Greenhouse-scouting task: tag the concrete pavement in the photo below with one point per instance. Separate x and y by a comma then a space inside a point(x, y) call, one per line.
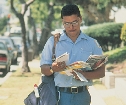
point(96, 99)
point(106, 97)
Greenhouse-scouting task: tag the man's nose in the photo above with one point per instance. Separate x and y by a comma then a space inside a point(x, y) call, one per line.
point(71, 25)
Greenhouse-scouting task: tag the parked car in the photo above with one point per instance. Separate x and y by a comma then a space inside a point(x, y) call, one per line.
point(12, 48)
point(18, 42)
point(5, 57)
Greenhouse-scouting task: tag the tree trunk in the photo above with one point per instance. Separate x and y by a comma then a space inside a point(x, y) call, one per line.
point(35, 43)
point(46, 31)
point(25, 67)
point(94, 16)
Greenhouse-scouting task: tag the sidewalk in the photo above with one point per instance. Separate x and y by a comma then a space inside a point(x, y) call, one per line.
point(96, 99)
point(105, 97)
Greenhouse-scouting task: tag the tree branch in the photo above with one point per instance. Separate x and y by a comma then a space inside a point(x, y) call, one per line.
point(25, 5)
point(29, 2)
point(12, 7)
point(22, 1)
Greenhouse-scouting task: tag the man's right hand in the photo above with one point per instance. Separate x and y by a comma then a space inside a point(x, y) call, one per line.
point(58, 66)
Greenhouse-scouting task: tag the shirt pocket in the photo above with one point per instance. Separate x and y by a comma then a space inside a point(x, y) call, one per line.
point(59, 53)
point(84, 55)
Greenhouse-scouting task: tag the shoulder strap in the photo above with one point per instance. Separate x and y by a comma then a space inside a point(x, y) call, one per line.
point(56, 39)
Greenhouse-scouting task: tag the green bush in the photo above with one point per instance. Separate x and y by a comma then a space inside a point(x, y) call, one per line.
point(107, 34)
point(117, 55)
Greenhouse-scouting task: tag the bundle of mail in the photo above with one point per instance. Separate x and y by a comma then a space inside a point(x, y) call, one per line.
point(92, 63)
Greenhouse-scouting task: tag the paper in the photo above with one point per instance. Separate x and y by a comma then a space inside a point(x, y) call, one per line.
point(95, 61)
point(74, 66)
point(81, 77)
point(68, 72)
point(63, 57)
point(92, 63)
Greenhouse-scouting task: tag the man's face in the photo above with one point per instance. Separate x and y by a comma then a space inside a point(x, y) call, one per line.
point(72, 25)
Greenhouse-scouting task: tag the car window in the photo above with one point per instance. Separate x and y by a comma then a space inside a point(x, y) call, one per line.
point(9, 42)
point(2, 46)
point(13, 42)
point(17, 41)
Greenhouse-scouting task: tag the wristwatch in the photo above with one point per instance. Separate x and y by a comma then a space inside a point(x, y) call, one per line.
point(51, 70)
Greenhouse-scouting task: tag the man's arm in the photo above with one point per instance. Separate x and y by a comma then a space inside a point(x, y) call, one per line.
point(48, 70)
point(95, 74)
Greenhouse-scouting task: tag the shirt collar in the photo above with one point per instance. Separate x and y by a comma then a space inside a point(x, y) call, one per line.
point(65, 37)
point(83, 36)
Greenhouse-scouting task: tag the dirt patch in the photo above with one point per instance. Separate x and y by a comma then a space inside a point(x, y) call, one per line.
point(117, 68)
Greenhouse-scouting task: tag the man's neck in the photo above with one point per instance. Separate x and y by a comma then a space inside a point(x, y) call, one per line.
point(73, 38)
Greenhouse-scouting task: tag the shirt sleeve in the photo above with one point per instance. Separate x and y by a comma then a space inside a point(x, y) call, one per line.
point(46, 55)
point(97, 48)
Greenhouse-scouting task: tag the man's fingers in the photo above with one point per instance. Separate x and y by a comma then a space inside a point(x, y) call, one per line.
point(61, 65)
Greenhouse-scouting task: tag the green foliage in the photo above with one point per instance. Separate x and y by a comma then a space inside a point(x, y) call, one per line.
point(17, 5)
point(104, 30)
point(102, 4)
point(123, 33)
point(117, 55)
point(3, 23)
point(40, 11)
point(107, 34)
point(57, 22)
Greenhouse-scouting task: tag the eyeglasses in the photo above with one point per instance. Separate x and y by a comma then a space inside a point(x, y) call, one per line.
point(74, 24)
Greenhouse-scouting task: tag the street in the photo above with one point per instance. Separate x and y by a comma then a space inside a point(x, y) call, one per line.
point(3, 77)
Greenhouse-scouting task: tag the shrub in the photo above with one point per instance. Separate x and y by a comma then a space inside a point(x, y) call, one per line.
point(107, 34)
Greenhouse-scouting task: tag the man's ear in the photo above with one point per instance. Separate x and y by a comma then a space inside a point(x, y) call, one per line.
point(62, 21)
point(80, 19)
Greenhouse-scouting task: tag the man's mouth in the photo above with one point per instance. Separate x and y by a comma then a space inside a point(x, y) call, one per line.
point(72, 31)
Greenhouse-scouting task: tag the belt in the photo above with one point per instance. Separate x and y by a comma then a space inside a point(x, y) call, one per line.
point(72, 89)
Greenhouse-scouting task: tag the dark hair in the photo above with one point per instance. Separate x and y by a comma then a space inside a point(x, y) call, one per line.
point(70, 9)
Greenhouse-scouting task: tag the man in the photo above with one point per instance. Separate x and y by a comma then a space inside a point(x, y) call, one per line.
point(80, 47)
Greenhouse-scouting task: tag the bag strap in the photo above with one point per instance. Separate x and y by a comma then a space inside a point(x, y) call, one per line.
point(56, 39)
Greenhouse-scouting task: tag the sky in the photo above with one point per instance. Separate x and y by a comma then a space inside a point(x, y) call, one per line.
point(121, 15)
point(4, 9)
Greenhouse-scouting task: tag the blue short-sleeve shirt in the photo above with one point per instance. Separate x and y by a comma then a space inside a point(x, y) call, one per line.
point(78, 51)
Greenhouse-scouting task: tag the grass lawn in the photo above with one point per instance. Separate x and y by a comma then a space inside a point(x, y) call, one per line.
point(18, 86)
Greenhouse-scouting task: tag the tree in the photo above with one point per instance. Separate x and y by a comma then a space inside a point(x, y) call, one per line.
point(47, 27)
point(123, 33)
point(20, 16)
point(95, 11)
point(43, 13)
point(3, 23)
point(32, 25)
